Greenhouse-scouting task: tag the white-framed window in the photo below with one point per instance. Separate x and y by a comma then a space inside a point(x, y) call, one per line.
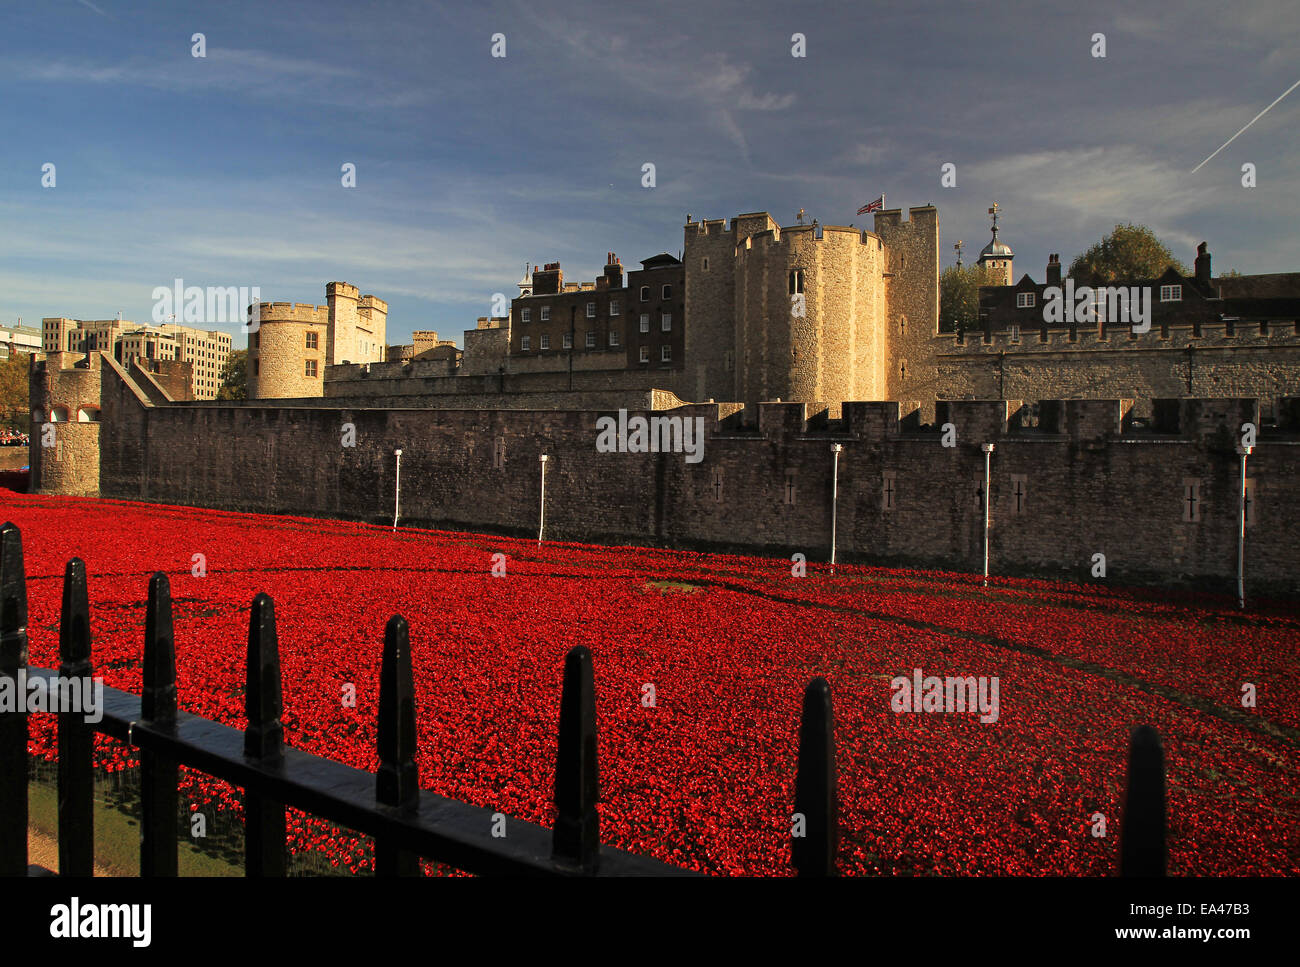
point(1171, 293)
point(591, 340)
point(645, 293)
point(546, 341)
point(546, 314)
point(645, 354)
point(1015, 333)
point(311, 367)
point(796, 282)
point(613, 337)
point(1025, 300)
point(667, 291)
point(591, 310)
point(613, 307)
point(526, 315)
point(568, 340)
point(525, 343)
point(666, 322)
point(645, 322)
point(665, 354)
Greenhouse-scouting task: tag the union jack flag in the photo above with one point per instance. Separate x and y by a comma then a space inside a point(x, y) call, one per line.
point(874, 206)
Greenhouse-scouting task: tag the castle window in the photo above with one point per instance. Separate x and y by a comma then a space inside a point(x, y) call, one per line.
point(613, 307)
point(888, 489)
point(716, 487)
point(790, 489)
point(311, 340)
point(499, 454)
point(666, 322)
point(568, 340)
point(546, 313)
point(705, 266)
point(613, 338)
point(311, 367)
point(591, 310)
point(667, 292)
point(1196, 329)
point(1024, 300)
point(1191, 500)
point(645, 354)
point(257, 367)
point(1042, 333)
point(591, 340)
point(525, 343)
point(730, 360)
point(645, 322)
point(1171, 293)
point(1015, 333)
point(665, 354)
point(526, 315)
point(1229, 327)
point(1263, 327)
point(796, 281)
point(1164, 329)
point(645, 293)
point(1074, 332)
point(546, 340)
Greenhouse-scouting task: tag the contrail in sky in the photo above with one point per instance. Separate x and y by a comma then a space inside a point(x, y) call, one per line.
point(1252, 121)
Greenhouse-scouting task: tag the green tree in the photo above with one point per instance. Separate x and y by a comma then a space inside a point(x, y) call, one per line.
point(1128, 252)
point(959, 297)
point(15, 411)
point(234, 376)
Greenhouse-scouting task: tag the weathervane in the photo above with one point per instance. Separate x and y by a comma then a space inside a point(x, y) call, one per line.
point(994, 212)
point(958, 248)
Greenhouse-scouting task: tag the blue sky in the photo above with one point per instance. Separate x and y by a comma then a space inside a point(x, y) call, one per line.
point(226, 170)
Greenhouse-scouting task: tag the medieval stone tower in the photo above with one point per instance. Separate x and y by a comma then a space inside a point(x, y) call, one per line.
point(294, 342)
point(810, 313)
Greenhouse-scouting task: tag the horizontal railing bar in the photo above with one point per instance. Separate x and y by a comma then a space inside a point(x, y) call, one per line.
point(441, 829)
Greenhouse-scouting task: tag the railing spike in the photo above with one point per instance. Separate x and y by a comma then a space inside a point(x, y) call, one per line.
point(13, 725)
point(1142, 834)
point(398, 781)
point(262, 696)
point(76, 738)
point(158, 695)
point(158, 773)
point(815, 797)
point(575, 840)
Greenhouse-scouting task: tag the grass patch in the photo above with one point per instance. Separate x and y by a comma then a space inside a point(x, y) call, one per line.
point(674, 587)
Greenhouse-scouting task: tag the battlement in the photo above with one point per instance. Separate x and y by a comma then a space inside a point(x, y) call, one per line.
point(301, 312)
point(807, 233)
point(922, 216)
point(374, 302)
point(342, 290)
point(706, 226)
point(1207, 335)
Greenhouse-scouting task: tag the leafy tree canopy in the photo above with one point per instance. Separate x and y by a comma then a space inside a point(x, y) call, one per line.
point(959, 297)
point(1128, 252)
point(234, 376)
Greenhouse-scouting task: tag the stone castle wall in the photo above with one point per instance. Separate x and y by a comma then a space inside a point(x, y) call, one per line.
point(1060, 495)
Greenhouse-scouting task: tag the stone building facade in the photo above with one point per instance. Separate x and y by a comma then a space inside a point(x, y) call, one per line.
point(294, 342)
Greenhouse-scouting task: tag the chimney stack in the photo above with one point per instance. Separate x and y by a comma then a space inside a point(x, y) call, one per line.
point(1054, 269)
point(1202, 266)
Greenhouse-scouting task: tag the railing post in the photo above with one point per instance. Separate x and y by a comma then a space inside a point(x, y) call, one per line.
point(158, 773)
point(575, 840)
point(13, 725)
point(264, 824)
point(76, 738)
point(1142, 835)
point(815, 795)
point(397, 783)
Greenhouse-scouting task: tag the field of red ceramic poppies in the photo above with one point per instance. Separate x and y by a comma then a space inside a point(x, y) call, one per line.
point(704, 778)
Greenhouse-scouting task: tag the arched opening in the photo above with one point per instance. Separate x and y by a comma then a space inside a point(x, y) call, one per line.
point(88, 414)
point(58, 414)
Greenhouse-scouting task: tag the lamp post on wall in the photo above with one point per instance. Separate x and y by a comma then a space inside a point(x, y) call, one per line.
point(835, 493)
point(1241, 529)
point(397, 494)
point(988, 457)
point(541, 514)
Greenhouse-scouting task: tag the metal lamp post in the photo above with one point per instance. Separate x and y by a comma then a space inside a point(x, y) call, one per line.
point(835, 493)
point(541, 515)
point(988, 457)
point(397, 494)
point(1241, 529)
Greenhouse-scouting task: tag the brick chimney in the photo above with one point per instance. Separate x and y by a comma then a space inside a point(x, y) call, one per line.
point(1202, 266)
point(1054, 269)
point(548, 280)
point(613, 271)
